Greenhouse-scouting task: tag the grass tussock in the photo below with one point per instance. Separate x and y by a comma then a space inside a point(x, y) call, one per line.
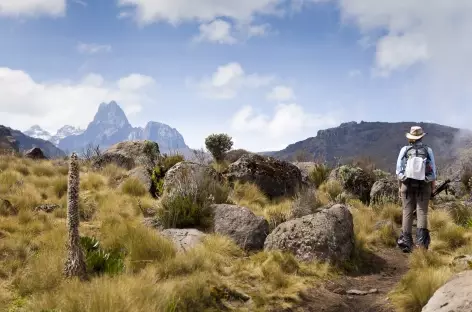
point(417, 287)
point(133, 187)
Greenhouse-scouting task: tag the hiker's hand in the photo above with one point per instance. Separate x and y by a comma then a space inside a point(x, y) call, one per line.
point(400, 192)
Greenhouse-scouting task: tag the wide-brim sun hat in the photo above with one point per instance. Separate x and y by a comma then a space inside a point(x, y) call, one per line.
point(416, 133)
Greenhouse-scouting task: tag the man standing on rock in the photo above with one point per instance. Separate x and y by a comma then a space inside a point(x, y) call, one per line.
point(416, 173)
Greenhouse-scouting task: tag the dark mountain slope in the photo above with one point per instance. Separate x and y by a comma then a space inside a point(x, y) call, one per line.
point(380, 141)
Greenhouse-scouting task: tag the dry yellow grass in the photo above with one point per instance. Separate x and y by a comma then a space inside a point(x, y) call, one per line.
point(156, 278)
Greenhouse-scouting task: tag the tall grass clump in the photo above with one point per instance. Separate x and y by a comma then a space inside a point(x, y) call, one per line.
point(418, 286)
point(188, 200)
point(133, 187)
point(319, 174)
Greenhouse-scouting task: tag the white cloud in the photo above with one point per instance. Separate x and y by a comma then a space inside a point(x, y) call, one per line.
point(434, 34)
point(30, 8)
point(399, 52)
point(26, 102)
point(224, 32)
point(81, 2)
point(93, 48)
point(281, 94)
point(218, 31)
point(228, 80)
point(135, 82)
point(177, 11)
point(290, 123)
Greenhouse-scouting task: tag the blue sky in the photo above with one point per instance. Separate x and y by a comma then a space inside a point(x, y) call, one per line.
point(268, 72)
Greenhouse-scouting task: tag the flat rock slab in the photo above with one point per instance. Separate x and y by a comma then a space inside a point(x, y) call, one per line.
point(454, 296)
point(184, 239)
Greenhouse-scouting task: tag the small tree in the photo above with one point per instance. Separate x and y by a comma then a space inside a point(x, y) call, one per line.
point(218, 145)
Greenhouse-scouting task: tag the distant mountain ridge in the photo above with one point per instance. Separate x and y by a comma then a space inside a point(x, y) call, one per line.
point(110, 126)
point(380, 141)
point(37, 132)
point(23, 142)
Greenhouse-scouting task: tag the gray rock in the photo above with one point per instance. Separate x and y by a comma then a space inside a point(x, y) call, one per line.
point(305, 168)
point(274, 177)
point(7, 209)
point(327, 235)
point(133, 153)
point(35, 153)
point(184, 239)
point(384, 191)
point(246, 229)
point(188, 171)
point(455, 295)
point(110, 158)
point(48, 208)
point(355, 180)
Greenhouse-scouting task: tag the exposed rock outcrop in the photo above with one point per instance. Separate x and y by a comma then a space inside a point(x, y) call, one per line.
point(384, 191)
point(327, 235)
point(35, 153)
point(246, 229)
point(274, 177)
point(355, 180)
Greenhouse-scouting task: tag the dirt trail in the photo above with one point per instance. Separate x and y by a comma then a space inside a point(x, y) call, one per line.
point(382, 272)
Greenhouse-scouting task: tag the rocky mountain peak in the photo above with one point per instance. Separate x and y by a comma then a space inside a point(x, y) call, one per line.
point(111, 114)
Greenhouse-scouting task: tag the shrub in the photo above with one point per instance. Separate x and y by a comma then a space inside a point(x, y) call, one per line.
point(100, 261)
point(319, 174)
point(333, 188)
point(188, 203)
point(218, 145)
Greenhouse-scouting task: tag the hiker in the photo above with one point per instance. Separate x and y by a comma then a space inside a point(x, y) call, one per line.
point(416, 173)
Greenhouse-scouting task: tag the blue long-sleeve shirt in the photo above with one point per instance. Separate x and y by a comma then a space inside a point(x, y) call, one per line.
point(401, 165)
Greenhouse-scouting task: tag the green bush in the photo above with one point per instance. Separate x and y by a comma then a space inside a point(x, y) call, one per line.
point(218, 145)
point(319, 174)
point(99, 261)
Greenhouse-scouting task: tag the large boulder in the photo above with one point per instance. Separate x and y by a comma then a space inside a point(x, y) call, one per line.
point(129, 154)
point(384, 191)
point(327, 235)
point(355, 180)
point(188, 171)
point(455, 295)
point(184, 239)
point(246, 229)
point(35, 153)
point(274, 177)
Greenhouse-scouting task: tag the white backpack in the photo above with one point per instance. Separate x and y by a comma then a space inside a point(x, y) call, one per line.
point(416, 163)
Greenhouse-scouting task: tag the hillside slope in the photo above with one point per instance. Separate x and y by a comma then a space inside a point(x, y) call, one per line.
point(380, 141)
point(24, 143)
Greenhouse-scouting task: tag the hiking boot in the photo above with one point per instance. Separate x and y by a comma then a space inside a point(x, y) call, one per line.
point(422, 238)
point(405, 242)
